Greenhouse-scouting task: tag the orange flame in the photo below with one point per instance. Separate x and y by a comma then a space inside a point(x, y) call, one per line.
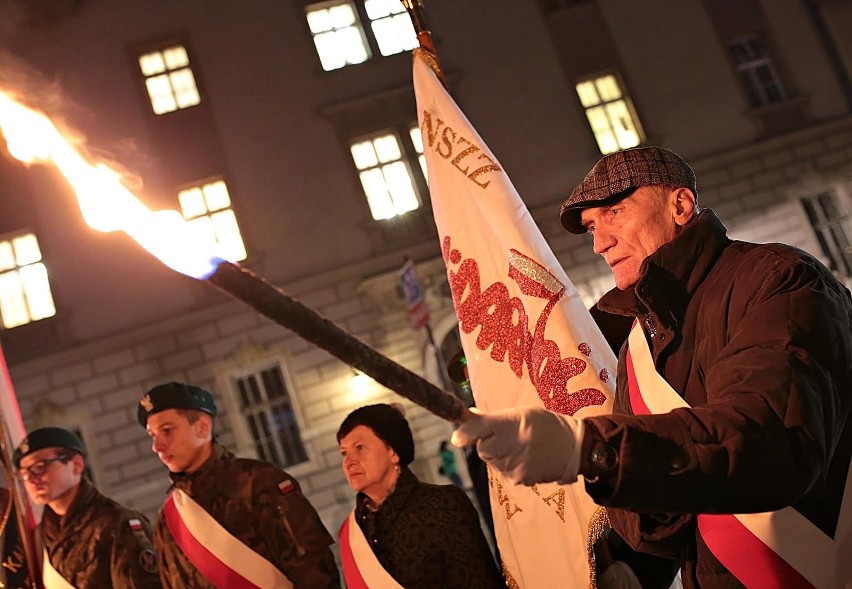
point(105, 203)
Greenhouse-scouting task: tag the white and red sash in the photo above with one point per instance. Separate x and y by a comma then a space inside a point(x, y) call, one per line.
point(220, 557)
point(361, 568)
point(50, 577)
point(779, 549)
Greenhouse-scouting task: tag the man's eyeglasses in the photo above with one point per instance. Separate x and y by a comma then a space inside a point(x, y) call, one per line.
point(37, 469)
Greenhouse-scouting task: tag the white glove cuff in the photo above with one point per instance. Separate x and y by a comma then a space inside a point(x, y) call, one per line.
point(572, 469)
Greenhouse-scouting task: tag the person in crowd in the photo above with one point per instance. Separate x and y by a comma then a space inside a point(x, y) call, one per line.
point(730, 445)
point(228, 521)
point(404, 532)
point(15, 572)
point(89, 540)
point(448, 466)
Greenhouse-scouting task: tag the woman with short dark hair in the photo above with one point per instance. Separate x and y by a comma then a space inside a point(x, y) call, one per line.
point(403, 532)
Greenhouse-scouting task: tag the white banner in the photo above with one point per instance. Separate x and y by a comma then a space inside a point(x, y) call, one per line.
point(528, 337)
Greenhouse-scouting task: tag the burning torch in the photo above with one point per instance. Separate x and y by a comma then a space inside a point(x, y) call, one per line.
point(107, 205)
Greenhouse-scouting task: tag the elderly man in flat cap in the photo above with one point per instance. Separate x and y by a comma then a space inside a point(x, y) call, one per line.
point(228, 522)
point(733, 391)
point(89, 540)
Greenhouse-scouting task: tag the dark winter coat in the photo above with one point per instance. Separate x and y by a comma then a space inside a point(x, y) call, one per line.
point(758, 340)
point(429, 537)
point(244, 496)
point(99, 544)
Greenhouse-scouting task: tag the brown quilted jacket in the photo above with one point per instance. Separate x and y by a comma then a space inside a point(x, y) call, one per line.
point(758, 340)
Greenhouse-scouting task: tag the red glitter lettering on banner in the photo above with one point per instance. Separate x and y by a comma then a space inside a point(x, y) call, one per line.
point(505, 329)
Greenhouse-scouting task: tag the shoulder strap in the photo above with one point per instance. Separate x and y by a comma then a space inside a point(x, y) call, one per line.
point(51, 577)
point(778, 549)
point(220, 557)
point(361, 568)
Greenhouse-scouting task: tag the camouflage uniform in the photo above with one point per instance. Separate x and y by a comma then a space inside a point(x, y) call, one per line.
point(100, 543)
point(244, 497)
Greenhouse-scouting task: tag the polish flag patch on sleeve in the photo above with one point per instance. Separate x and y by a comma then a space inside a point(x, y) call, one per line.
point(286, 487)
point(135, 524)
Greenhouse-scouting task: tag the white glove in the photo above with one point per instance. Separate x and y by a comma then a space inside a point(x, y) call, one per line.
point(618, 576)
point(528, 444)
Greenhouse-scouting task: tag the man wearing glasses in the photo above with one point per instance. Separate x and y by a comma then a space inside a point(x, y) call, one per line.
point(89, 540)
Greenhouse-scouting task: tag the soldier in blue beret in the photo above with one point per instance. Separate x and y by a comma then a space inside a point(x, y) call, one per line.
point(228, 520)
point(90, 541)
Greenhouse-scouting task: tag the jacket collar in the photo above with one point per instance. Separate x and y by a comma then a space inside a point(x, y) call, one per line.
point(397, 499)
point(78, 512)
point(671, 275)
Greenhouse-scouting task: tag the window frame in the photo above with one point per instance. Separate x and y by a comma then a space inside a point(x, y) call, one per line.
point(826, 227)
point(628, 103)
point(160, 46)
point(756, 90)
point(200, 184)
point(9, 238)
point(252, 360)
point(408, 156)
point(364, 25)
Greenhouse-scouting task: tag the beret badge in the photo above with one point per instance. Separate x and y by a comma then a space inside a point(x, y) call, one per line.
point(146, 403)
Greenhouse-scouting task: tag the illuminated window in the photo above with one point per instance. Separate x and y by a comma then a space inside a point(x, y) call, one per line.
point(610, 113)
point(385, 176)
point(756, 71)
point(169, 79)
point(337, 33)
point(391, 26)
point(267, 408)
point(24, 287)
point(207, 208)
point(417, 141)
point(341, 40)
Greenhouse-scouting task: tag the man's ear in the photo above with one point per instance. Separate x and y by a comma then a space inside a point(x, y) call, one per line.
point(683, 204)
point(78, 464)
point(204, 426)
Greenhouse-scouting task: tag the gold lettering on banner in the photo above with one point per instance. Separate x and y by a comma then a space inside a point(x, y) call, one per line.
point(556, 498)
point(462, 154)
point(14, 561)
point(502, 498)
point(511, 583)
point(447, 143)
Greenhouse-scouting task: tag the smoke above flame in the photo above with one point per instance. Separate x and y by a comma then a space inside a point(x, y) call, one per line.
point(105, 203)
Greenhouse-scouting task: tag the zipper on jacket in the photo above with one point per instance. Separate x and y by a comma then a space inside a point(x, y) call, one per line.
point(300, 550)
point(649, 324)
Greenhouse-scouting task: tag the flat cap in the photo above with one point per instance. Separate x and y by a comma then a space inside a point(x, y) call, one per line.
point(174, 395)
point(48, 437)
point(618, 174)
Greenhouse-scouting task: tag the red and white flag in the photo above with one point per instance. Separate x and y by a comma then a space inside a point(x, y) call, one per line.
point(17, 546)
point(526, 333)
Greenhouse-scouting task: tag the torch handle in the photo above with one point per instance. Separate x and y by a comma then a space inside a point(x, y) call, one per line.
point(286, 311)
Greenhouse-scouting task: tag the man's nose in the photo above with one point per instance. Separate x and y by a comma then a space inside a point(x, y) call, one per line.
point(157, 444)
point(603, 240)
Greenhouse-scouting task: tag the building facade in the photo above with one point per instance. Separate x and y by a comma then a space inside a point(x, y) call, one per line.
point(286, 132)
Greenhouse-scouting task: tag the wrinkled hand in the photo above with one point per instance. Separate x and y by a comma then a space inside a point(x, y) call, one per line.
point(528, 444)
